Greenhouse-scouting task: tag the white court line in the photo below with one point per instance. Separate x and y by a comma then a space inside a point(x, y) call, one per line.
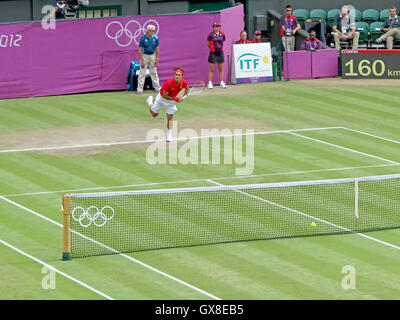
point(344, 148)
point(197, 180)
point(152, 141)
point(372, 135)
point(56, 270)
point(113, 250)
point(314, 218)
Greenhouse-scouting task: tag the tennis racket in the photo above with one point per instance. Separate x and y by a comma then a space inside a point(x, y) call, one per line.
point(197, 88)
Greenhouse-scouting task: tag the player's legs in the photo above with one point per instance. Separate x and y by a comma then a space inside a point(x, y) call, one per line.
point(170, 118)
point(170, 109)
point(155, 107)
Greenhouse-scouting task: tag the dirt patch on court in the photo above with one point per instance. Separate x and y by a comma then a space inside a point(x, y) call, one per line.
point(102, 139)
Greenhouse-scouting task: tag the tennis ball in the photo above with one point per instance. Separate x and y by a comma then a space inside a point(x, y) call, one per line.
point(313, 224)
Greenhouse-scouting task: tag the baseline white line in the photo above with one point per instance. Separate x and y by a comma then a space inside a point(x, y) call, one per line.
point(314, 218)
point(372, 135)
point(343, 148)
point(115, 251)
point(56, 270)
point(95, 145)
point(196, 180)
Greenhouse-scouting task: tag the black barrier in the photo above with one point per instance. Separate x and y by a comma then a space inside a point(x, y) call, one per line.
point(370, 64)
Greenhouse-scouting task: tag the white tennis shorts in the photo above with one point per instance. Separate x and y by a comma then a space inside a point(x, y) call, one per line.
point(161, 103)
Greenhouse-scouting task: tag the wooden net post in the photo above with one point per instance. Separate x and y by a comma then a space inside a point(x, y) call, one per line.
point(66, 228)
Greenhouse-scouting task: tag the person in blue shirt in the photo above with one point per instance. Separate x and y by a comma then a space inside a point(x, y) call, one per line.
point(148, 53)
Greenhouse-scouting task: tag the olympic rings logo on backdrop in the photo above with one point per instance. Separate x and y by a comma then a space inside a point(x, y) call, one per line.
point(92, 215)
point(132, 31)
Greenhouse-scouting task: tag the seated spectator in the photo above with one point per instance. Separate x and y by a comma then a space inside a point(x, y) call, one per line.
point(391, 27)
point(289, 27)
point(59, 10)
point(344, 27)
point(243, 38)
point(311, 43)
point(257, 36)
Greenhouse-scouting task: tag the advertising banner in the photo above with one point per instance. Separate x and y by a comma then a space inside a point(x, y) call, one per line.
point(251, 62)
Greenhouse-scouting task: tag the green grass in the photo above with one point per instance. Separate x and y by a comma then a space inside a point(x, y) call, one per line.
point(296, 268)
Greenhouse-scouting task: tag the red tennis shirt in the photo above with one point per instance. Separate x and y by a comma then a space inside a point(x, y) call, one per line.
point(172, 87)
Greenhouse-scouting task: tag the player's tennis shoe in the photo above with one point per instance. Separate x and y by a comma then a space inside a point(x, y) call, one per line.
point(223, 85)
point(210, 85)
point(169, 136)
point(149, 100)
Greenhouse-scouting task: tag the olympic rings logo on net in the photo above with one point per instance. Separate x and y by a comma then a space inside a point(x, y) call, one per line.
point(92, 215)
point(132, 31)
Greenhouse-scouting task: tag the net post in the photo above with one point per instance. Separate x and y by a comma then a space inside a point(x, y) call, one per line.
point(356, 199)
point(66, 256)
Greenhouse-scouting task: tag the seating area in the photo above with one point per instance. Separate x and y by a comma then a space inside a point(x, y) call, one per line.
point(368, 23)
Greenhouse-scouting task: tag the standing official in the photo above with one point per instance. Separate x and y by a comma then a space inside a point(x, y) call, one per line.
point(148, 53)
point(289, 27)
point(215, 42)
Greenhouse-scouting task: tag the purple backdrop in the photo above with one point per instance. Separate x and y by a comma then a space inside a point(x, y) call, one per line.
point(310, 64)
point(324, 63)
point(296, 64)
point(95, 54)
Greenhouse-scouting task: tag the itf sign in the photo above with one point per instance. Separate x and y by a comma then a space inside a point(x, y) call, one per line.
point(251, 62)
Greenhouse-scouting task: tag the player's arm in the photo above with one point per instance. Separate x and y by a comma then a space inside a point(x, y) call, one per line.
point(186, 91)
point(168, 97)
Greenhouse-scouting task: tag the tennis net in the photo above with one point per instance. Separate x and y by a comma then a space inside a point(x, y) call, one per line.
point(116, 222)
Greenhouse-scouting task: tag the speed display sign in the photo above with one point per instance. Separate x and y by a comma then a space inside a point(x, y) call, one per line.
point(371, 64)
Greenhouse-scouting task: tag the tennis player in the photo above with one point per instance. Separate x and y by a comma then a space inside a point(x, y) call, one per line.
point(167, 98)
